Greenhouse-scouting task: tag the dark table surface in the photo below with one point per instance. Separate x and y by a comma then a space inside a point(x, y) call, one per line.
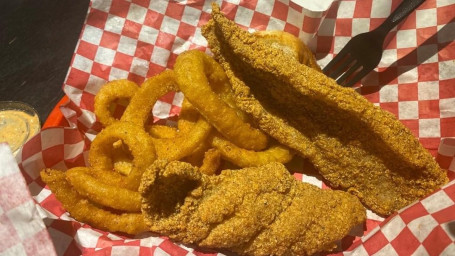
point(37, 41)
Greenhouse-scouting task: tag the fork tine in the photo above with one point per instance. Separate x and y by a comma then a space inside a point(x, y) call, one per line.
point(357, 77)
point(349, 72)
point(344, 65)
point(340, 56)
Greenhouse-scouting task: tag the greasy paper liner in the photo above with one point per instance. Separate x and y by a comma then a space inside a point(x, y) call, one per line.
point(138, 39)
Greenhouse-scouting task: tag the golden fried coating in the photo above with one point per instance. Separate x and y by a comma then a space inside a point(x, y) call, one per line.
point(101, 154)
point(290, 45)
point(211, 162)
point(108, 94)
point(101, 193)
point(86, 211)
point(253, 211)
point(355, 145)
point(197, 74)
point(141, 105)
point(249, 158)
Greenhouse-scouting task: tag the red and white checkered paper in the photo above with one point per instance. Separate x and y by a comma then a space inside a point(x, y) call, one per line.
point(137, 39)
point(22, 231)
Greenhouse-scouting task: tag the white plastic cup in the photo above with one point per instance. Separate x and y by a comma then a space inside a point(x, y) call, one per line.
point(314, 13)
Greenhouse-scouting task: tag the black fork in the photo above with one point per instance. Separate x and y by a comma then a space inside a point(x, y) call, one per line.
point(364, 51)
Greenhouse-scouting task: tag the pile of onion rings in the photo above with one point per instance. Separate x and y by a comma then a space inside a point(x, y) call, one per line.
point(210, 129)
point(211, 133)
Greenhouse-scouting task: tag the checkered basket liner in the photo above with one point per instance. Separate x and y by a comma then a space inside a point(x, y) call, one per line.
point(138, 39)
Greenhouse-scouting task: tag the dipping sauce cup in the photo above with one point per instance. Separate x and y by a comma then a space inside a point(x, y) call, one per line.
point(18, 123)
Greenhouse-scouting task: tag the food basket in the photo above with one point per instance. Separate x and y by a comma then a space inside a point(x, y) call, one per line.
point(137, 39)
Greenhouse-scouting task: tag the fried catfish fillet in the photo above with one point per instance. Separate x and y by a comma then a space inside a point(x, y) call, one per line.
point(289, 44)
point(355, 145)
point(252, 211)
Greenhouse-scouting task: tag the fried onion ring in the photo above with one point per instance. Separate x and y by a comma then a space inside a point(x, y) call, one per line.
point(121, 158)
point(118, 89)
point(193, 130)
point(148, 94)
point(162, 131)
point(197, 156)
point(101, 193)
point(85, 211)
point(188, 116)
point(183, 143)
point(194, 74)
point(211, 162)
point(249, 158)
point(100, 156)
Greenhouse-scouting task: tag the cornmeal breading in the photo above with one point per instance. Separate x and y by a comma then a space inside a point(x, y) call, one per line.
point(355, 145)
point(290, 45)
point(252, 211)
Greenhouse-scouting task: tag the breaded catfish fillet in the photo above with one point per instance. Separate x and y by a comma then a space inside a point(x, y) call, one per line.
point(289, 44)
point(252, 211)
point(355, 145)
